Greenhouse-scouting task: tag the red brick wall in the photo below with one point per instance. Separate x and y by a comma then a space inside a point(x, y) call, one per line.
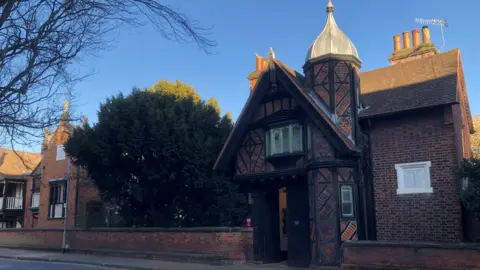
point(419, 256)
point(234, 244)
point(461, 117)
point(46, 239)
point(415, 137)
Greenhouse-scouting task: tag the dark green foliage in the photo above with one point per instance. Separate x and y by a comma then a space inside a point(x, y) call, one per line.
point(152, 153)
point(470, 168)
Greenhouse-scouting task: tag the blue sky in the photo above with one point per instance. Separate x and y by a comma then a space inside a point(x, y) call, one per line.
point(139, 56)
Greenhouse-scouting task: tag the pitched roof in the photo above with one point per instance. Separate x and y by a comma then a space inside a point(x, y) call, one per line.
point(410, 85)
point(293, 83)
point(17, 164)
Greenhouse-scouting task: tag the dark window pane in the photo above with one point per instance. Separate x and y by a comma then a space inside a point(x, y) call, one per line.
point(347, 209)
point(267, 143)
point(297, 138)
point(309, 138)
point(346, 196)
point(286, 140)
point(277, 141)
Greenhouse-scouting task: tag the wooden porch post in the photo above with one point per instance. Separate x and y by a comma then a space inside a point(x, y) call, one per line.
point(5, 182)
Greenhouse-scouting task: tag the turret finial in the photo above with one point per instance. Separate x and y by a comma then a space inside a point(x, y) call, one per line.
point(271, 54)
point(330, 7)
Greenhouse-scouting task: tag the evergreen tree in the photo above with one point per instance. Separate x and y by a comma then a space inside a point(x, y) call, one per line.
point(178, 89)
point(475, 137)
point(469, 172)
point(152, 153)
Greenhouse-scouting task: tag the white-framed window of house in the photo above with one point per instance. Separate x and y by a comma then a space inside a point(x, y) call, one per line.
point(346, 199)
point(58, 194)
point(414, 177)
point(60, 152)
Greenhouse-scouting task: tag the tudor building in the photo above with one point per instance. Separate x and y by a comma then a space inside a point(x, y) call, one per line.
point(365, 156)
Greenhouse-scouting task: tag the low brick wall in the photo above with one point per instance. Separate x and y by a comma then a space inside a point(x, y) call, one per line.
point(194, 244)
point(29, 238)
point(410, 255)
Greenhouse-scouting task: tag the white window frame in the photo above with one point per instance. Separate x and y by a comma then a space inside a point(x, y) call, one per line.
point(60, 152)
point(464, 183)
point(350, 201)
point(401, 168)
point(60, 203)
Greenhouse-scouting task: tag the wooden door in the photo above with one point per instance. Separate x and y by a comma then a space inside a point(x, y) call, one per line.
point(298, 225)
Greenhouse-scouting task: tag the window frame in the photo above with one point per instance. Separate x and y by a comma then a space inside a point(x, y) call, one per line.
point(54, 198)
point(400, 171)
point(59, 158)
point(464, 182)
point(352, 200)
point(280, 126)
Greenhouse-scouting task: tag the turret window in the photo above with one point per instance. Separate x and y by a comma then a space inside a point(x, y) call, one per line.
point(284, 140)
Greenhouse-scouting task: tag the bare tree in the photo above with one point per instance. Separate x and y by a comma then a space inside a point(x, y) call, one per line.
point(40, 39)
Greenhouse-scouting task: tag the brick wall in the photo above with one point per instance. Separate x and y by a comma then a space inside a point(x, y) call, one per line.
point(25, 238)
point(235, 244)
point(419, 256)
point(418, 136)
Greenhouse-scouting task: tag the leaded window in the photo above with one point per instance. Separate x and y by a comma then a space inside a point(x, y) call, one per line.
point(285, 139)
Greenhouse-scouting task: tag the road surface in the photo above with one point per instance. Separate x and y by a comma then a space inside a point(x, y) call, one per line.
point(32, 265)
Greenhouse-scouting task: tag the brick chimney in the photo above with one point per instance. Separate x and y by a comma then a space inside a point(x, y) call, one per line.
point(426, 34)
point(416, 37)
point(409, 53)
point(406, 40)
point(260, 65)
point(397, 43)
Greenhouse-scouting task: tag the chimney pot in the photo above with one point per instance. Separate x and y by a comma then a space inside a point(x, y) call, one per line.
point(416, 37)
point(426, 34)
point(397, 46)
point(406, 40)
point(258, 62)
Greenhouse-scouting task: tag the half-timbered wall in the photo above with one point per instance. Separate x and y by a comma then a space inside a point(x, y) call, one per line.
point(323, 216)
point(322, 149)
point(251, 156)
point(335, 83)
point(270, 107)
point(328, 229)
point(348, 226)
point(343, 95)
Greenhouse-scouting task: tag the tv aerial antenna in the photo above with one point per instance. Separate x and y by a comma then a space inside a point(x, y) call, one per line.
point(437, 22)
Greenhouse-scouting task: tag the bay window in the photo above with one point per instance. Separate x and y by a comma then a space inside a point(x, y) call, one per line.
point(285, 139)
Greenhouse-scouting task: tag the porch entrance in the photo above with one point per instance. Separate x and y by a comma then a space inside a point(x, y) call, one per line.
point(281, 224)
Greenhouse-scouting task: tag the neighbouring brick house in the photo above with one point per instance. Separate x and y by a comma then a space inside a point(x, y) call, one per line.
point(362, 155)
point(15, 167)
point(46, 193)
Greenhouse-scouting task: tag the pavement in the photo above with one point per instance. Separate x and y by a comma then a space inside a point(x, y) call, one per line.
point(31, 265)
point(40, 260)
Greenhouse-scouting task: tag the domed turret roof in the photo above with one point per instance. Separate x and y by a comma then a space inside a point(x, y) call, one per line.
point(332, 40)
